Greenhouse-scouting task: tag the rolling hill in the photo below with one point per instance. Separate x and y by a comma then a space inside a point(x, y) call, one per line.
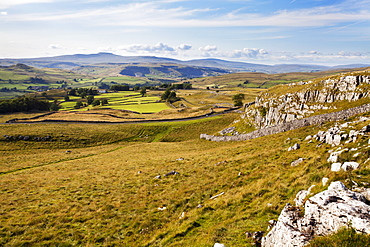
point(71, 61)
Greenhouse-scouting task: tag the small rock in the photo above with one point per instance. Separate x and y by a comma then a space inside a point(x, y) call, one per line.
point(180, 159)
point(294, 147)
point(356, 155)
point(157, 177)
point(350, 166)
point(162, 208)
point(296, 162)
point(182, 216)
point(219, 245)
point(333, 158)
point(335, 167)
point(171, 173)
point(309, 137)
point(324, 181)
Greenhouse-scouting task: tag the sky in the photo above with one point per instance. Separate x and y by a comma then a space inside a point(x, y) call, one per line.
point(328, 32)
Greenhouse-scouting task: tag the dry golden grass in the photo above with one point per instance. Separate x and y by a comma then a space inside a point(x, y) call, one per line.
point(104, 192)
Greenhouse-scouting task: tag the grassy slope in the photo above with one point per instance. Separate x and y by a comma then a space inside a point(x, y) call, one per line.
point(20, 73)
point(94, 194)
point(262, 80)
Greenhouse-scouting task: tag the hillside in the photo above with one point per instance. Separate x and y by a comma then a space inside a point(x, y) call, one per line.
point(19, 79)
point(72, 61)
point(149, 70)
point(158, 184)
point(264, 80)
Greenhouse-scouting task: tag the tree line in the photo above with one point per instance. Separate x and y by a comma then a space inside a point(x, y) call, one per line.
point(22, 104)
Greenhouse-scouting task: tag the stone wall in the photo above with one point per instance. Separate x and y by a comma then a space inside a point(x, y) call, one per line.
point(295, 124)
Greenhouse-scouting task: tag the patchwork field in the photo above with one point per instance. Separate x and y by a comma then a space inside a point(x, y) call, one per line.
point(130, 101)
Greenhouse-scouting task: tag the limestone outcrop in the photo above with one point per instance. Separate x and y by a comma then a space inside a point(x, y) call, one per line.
point(324, 213)
point(271, 109)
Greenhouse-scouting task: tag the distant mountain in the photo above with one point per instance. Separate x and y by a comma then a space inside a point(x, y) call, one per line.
point(73, 61)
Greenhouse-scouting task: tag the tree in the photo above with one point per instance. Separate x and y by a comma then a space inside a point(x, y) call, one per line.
point(136, 88)
point(143, 91)
point(78, 105)
point(95, 102)
point(166, 94)
point(83, 94)
point(66, 98)
point(120, 87)
point(54, 106)
point(73, 92)
point(238, 99)
point(90, 99)
point(104, 102)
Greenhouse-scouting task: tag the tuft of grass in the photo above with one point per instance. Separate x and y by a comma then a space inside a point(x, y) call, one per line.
point(345, 237)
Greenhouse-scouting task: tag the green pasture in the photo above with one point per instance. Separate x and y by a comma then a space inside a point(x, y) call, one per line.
point(129, 100)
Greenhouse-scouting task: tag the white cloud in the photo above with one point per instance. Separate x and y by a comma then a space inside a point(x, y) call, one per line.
point(145, 48)
point(184, 47)
point(158, 14)
point(8, 3)
point(248, 53)
point(350, 54)
point(56, 46)
point(208, 48)
point(3, 13)
point(105, 48)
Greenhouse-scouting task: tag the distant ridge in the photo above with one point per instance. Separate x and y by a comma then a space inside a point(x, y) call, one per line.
point(72, 61)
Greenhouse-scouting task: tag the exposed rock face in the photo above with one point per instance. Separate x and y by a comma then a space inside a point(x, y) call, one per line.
point(324, 213)
point(269, 110)
point(318, 119)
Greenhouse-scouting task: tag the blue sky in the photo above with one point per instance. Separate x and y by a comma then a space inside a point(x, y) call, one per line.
point(329, 32)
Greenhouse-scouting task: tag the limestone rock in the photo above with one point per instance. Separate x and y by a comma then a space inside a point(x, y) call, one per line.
point(324, 214)
point(297, 162)
point(294, 147)
point(350, 166)
point(335, 167)
point(324, 181)
point(219, 245)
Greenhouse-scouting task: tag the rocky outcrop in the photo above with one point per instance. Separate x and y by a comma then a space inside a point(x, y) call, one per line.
point(318, 119)
point(324, 213)
point(271, 109)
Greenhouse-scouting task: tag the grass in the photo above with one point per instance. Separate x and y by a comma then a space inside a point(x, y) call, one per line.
point(262, 80)
point(346, 237)
point(129, 100)
point(103, 191)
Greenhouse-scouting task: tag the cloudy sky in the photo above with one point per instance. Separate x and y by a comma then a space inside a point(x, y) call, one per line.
point(258, 31)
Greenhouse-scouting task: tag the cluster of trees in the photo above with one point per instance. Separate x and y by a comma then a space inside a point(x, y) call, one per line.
point(169, 96)
point(23, 103)
point(82, 92)
point(120, 87)
point(126, 87)
point(90, 100)
point(238, 99)
point(5, 89)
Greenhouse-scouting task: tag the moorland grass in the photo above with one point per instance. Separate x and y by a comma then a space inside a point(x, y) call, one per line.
point(104, 191)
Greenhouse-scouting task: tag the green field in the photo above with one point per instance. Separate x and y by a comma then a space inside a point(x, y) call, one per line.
point(131, 101)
